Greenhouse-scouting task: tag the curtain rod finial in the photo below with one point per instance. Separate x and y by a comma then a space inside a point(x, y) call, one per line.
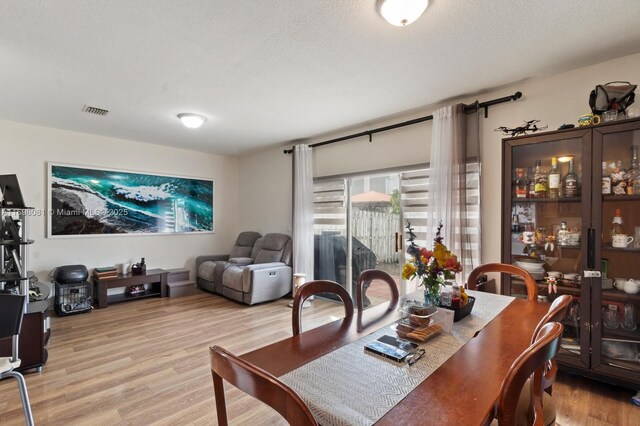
point(517, 96)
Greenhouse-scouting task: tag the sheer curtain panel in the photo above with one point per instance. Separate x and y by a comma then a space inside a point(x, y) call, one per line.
point(448, 180)
point(303, 211)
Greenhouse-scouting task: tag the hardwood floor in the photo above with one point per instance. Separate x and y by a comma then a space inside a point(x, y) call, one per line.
point(147, 362)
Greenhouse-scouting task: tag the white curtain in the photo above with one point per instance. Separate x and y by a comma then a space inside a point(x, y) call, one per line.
point(303, 211)
point(448, 185)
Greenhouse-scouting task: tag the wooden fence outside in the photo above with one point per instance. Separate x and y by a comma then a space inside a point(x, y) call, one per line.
point(377, 230)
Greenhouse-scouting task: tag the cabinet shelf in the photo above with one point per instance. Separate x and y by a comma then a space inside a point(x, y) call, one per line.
point(546, 200)
point(543, 287)
point(124, 297)
point(619, 296)
point(621, 335)
point(607, 295)
point(609, 247)
point(621, 198)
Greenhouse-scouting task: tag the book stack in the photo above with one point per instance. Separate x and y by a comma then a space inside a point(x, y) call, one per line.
point(105, 272)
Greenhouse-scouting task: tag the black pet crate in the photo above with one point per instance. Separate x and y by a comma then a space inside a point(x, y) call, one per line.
point(73, 292)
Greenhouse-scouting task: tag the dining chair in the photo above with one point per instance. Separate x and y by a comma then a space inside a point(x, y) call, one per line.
point(556, 313)
point(365, 279)
point(259, 384)
point(509, 408)
point(11, 313)
point(532, 286)
point(315, 287)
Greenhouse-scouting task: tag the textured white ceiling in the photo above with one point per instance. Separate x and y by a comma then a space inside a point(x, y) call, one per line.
point(270, 71)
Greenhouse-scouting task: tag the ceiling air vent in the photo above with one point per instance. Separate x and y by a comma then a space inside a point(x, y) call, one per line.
point(95, 110)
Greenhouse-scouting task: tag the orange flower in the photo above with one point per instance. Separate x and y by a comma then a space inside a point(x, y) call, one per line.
point(452, 264)
point(425, 253)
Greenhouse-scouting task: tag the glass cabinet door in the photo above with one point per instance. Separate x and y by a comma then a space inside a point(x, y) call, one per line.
point(545, 196)
point(616, 342)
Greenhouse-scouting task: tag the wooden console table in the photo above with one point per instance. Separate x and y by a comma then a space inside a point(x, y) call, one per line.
point(157, 278)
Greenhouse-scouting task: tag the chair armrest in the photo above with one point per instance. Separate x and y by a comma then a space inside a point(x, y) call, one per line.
point(213, 258)
point(258, 266)
point(266, 281)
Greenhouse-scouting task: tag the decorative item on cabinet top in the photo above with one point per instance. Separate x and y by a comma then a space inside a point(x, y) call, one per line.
point(528, 126)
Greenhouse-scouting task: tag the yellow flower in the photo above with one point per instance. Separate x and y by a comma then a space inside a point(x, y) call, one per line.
point(408, 271)
point(440, 252)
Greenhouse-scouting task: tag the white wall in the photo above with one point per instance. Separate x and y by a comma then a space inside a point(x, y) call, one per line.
point(26, 150)
point(555, 100)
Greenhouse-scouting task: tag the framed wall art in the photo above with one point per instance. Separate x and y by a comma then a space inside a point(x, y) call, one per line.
point(90, 201)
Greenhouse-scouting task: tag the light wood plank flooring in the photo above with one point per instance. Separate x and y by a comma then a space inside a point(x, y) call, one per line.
point(146, 362)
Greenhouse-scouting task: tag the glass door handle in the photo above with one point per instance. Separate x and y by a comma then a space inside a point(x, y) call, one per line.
point(396, 242)
point(591, 248)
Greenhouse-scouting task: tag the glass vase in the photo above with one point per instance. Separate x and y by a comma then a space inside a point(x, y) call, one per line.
point(431, 293)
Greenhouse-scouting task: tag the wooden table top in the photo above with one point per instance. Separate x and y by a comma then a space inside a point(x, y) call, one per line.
point(462, 391)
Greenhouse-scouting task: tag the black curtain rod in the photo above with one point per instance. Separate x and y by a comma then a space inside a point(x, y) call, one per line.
point(467, 109)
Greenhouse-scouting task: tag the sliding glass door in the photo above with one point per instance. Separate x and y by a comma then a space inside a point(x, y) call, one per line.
point(358, 226)
point(360, 223)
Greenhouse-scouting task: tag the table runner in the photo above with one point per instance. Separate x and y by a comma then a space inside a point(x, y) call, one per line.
point(352, 387)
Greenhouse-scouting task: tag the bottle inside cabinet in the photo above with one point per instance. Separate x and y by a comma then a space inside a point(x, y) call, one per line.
point(633, 174)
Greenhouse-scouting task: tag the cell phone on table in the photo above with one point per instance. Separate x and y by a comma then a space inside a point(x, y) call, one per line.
point(398, 343)
point(386, 351)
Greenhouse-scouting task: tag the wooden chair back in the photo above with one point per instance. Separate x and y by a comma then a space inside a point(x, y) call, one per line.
point(556, 313)
point(532, 287)
point(258, 383)
point(531, 362)
point(366, 277)
point(315, 287)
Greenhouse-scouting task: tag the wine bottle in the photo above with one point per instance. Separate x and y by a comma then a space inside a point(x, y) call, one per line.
point(633, 175)
point(521, 184)
point(606, 179)
point(553, 179)
point(531, 182)
point(515, 224)
point(616, 225)
point(540, 179)
point(570, 182)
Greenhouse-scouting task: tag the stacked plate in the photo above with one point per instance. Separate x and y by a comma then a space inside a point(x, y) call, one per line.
point(533, 266)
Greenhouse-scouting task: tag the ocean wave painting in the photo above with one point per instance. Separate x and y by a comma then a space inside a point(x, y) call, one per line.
point(90, 201)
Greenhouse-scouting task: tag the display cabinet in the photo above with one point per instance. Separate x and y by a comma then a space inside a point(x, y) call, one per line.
point(558, 209)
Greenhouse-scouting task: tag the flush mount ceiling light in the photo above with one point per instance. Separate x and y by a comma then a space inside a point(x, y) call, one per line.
point(402, 12)
point(192, 121)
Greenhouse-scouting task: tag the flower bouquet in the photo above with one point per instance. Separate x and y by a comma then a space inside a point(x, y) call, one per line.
point(432, 267)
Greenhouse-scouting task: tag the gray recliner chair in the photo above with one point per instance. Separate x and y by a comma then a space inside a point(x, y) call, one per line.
point(209, 269)
point(269, 277)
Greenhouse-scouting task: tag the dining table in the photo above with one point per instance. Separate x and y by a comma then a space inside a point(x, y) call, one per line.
point(462, 390)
